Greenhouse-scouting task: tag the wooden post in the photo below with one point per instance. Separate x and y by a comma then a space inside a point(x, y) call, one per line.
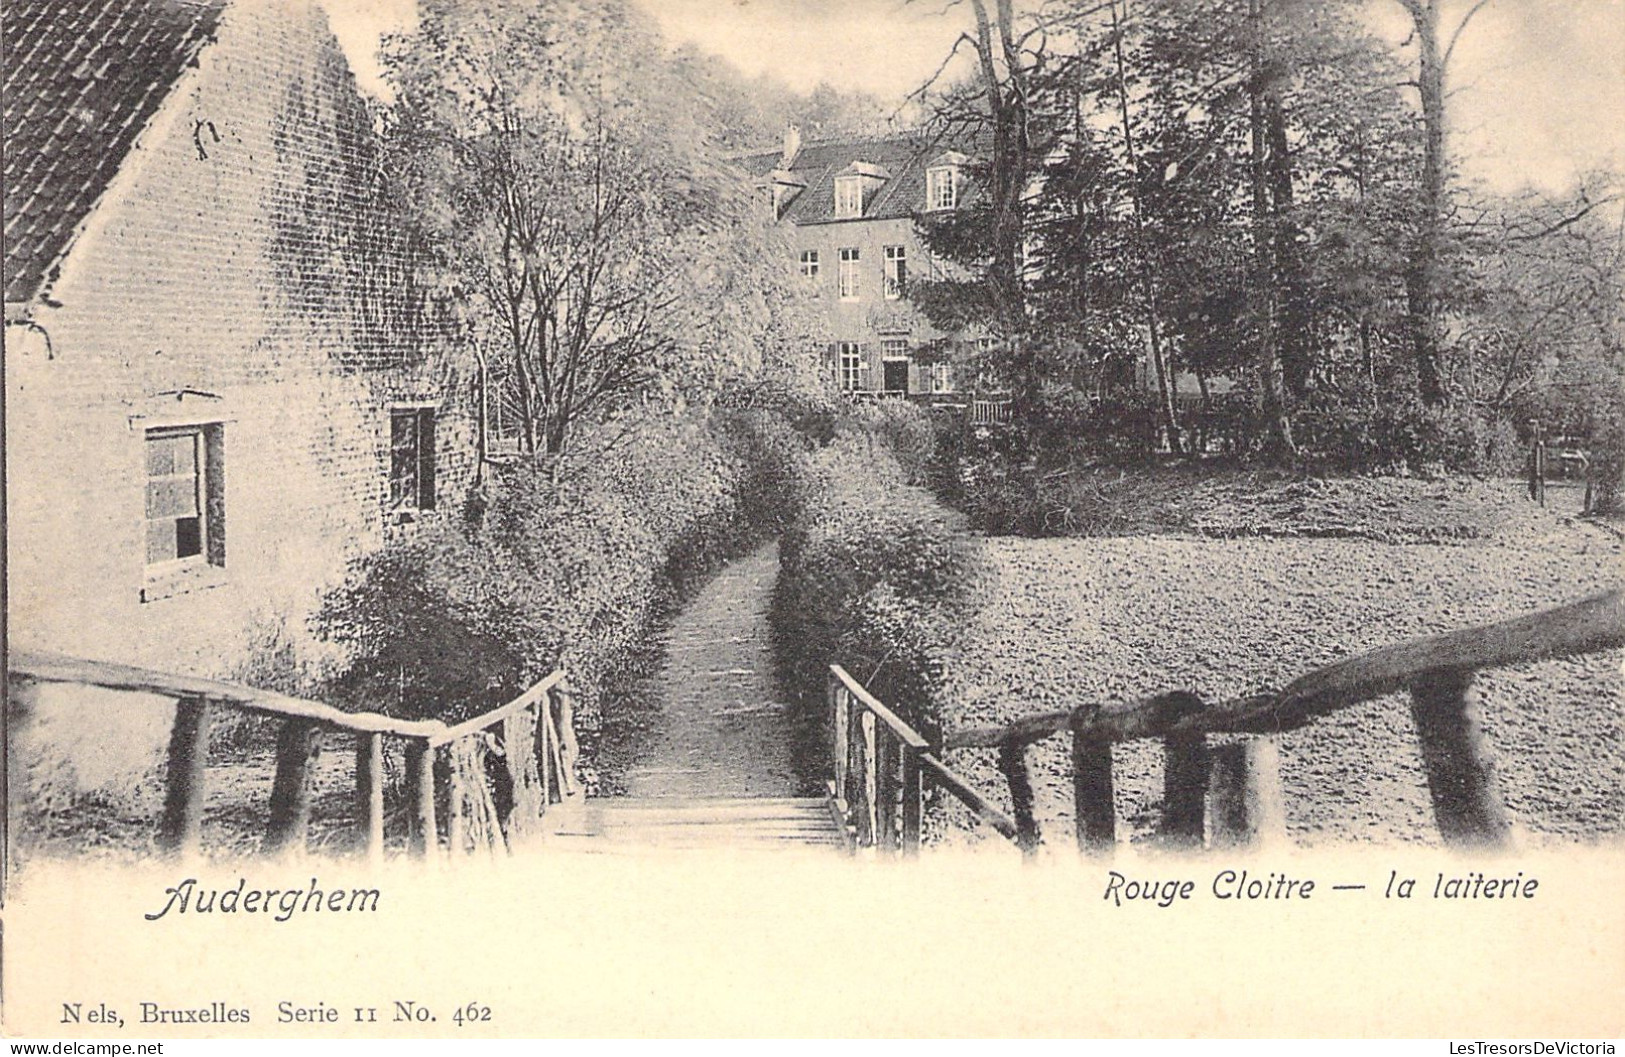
point(841, 707)
point(457, 820)
point(913, 800)
point(420, 780)
point(544, 752)
point(1013, 763)
point(1461, 773)
point(298, 745)
point(886, 789)
point(1185, 764)
point(1184, 789)
point(369, 793)
point(1244, 793)
point(568, 748)
point(1093, 797)
point(181, 830)
point(863, 737)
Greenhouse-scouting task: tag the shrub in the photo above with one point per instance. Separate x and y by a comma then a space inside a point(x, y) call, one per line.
point(876, 576)
point(566, 568)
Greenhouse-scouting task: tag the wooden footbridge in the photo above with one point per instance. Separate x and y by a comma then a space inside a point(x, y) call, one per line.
point(506, 780)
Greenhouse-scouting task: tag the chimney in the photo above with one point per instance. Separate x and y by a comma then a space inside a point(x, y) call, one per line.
point(792, 146)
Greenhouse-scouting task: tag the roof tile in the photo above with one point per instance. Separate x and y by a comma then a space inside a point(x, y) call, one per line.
point(82, 79)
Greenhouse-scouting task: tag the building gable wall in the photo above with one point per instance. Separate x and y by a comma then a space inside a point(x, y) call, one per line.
point(240, 255)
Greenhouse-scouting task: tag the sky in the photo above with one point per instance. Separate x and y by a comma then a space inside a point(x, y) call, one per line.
point(1539, 85)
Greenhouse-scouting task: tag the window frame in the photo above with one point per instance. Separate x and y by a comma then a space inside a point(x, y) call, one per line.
point(847, 275)
point(934, 198)
point(206, 568)
point(200, 497)
point(848, 197)
point(424, 491)
point(849, 365)
point(810, 265)
point(895, 272)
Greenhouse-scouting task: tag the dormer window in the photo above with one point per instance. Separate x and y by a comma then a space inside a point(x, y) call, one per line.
point(942, 187)
point(848, 196)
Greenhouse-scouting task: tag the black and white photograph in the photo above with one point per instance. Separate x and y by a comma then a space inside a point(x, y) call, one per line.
point(770, 510)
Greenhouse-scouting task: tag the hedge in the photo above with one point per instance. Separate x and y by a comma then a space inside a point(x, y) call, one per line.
point(875, 575)
point(572, 571)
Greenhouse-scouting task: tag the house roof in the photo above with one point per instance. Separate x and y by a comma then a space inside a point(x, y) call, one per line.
point(903, 157)
point(82, 79)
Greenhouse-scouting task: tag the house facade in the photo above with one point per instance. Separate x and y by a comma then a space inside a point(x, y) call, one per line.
point(221, 380)
point(853, 208)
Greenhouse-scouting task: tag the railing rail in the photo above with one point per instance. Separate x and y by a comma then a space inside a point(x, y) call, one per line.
point(1228, 793)
point(537, 743)
point(881, 766)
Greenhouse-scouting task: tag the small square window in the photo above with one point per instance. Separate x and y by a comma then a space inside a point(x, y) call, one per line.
point(809, 264)
point(411, 459)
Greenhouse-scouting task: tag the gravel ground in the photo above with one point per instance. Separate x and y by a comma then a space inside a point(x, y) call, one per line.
point(1107, 619)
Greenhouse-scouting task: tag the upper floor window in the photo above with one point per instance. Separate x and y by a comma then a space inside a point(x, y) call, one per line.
point(942, 377)
point(942, 187)
point(848, 196)
point(851, 366)
point(809, 264)
point(848, 274)
point(411, 458)
point(185, 522)
point(896, 271)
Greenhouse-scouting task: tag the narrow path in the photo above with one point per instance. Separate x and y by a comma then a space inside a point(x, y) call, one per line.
point(722, 729)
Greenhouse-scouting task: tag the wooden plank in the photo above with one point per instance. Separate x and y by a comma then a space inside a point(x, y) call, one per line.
point(965, 793)
point(1461, 771)
point(1093, 794)
point(1595, 623)
point(1013, 765)
point(181, 830)
point(1244, 793)
point(298, 745)
point(525, 700)
point(369, 789)
point(56, 668)
point(420, 782)
point(905, 733)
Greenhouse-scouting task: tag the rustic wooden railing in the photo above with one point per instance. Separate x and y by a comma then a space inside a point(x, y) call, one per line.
point(881, 766)
point(1227, 794)
point(989, 412)
point(537, 743)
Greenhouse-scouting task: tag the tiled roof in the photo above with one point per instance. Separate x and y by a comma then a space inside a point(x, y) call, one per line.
point(904, 157)
point(82, 79)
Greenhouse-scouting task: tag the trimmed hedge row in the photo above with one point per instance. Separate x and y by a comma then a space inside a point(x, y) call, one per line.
point(875, 574)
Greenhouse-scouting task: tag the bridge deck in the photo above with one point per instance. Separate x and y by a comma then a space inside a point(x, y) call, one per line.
point(758, 823)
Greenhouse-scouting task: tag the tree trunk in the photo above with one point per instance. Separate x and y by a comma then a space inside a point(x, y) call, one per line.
point(1266, 279)
point(1422, 270)
point(1165, 392)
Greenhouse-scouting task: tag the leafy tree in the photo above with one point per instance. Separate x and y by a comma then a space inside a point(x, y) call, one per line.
point(585, 218)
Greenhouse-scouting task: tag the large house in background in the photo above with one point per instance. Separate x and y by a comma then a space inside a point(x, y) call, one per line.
point(221, 380)
point(854, 205)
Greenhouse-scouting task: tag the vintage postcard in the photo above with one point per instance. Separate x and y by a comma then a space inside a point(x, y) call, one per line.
point(873, 518)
